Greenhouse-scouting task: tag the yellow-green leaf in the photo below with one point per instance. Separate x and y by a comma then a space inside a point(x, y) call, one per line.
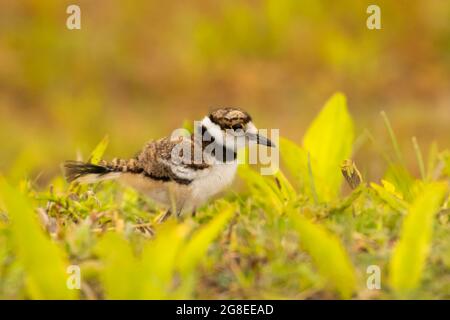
point(387, 194)
point(295, 158)
point(44, 262)
point(411, 251)
point(99, 150)
point(120, 274)
point(198, 245)
point(147, 276)
point(264, 192)
point(286, 190)
point(328, 255)
point(159, 259)
point(329, 141)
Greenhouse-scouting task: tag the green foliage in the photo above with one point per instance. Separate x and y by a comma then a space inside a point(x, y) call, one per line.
point(265, 190)
point(326, 144)
point(43, 261)
point(149, 276)
point(389, 195)
point(152, 273)
point(99, 150)
point(411, 251)
point(328, 254)
point(197, 246)
point(291, 236)
point(329, 141)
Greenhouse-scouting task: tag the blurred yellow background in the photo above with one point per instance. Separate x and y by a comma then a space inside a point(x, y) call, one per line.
point(137, 69)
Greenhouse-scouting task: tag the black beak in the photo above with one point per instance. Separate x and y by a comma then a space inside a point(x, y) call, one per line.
point(259, 139)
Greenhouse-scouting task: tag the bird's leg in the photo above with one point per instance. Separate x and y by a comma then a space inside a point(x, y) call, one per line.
point(176, 209)
point(179, 215)
point(194, 212)
point(165, 216)
point(179, 209)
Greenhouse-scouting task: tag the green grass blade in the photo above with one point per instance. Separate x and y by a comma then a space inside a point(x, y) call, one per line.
point(293, 158)
point(196, 249)
point(328, 255)
point(419, 158)
point(148, 276)
point(99, 150)
point(286, 190)
point(390, 198)
point(264, 192)
point(197, 246)
point(400, 177)
point(392, 136)
point(311, 181)
point(160, 259)
point(411, 251)
point(43, 261)
point(120, 273)
point(433, 155)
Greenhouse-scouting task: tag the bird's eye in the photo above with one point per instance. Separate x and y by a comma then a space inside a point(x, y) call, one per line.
point(237, 127)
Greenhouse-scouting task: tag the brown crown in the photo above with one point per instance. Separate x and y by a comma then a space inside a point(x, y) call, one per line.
point(226, 118)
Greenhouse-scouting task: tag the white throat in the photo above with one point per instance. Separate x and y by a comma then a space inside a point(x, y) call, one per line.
point(228, 139)
point(214, 131)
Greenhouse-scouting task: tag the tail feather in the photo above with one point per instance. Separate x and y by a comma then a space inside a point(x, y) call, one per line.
point(87, 172)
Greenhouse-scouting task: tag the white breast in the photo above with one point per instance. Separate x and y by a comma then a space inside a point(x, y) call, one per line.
point(215, 180)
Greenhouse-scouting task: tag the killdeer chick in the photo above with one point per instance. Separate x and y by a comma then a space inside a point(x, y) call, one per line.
point(181, 172)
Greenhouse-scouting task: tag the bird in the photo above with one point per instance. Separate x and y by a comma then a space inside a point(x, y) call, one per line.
point(181, 172)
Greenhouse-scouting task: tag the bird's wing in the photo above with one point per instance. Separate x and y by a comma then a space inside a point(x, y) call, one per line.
point(176, 160)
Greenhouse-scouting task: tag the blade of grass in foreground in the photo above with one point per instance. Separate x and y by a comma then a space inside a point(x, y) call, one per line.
point(411, 251)
point(197, 246)
point(264, 192)
point(120, 273)
point(149, 276)
point(43, 261)
point(99, 150)
point(328, 255)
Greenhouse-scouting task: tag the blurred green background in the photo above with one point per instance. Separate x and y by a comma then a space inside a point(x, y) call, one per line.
point(138, 69)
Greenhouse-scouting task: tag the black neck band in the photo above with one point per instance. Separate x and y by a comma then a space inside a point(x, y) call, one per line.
point(219, 151)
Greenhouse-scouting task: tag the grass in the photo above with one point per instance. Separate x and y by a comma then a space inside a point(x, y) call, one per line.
point(292, 235)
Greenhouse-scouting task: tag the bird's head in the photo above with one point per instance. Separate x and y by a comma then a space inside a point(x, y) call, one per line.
point(232, 128)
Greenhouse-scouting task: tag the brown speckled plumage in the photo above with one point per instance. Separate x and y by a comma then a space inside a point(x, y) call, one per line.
point(154, 159)
point(226, 118)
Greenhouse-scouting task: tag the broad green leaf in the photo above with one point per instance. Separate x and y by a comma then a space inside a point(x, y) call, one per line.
point(299, 166)
point(285, 188)
point(99, 150)
point(264, 192)
point(389, 195)
point(120, 274)
point(295, 160)
point(43, 261)
point(148, 276)
point(159, 259)
point(328, 255)
point(197, 246)
point(402, 180)
point(411, 250)
point(152, 274)
point(329, 142)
